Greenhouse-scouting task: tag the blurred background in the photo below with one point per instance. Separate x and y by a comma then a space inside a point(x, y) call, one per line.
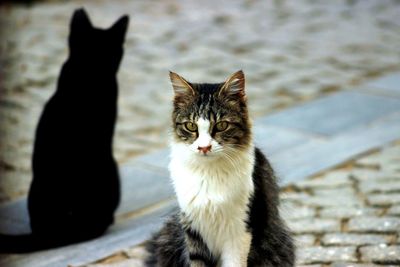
point(290, 51)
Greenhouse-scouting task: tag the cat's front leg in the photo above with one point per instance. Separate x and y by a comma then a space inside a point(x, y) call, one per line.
point(197, 263)
point(236, 251)
point(197, 251)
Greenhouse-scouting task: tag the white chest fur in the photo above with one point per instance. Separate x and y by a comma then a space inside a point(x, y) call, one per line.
point(214, 193)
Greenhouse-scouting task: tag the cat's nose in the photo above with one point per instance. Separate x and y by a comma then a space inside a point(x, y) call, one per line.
point(204, 149)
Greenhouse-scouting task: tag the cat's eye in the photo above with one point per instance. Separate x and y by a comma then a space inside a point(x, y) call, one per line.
point(221, 126)
point(190, 126)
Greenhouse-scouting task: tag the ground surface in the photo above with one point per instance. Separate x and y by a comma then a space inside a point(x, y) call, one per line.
point(291, 51)
point(300, 143)
point(349, 216)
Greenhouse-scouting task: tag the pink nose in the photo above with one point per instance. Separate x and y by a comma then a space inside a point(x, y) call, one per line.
point(204, 149)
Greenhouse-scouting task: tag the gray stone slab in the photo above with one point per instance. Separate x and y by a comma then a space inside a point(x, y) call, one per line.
point(336, 113)
point(139, 188)
point(14, 217)
point(389, 83)
point(273, 139)
point(311, 158)
point(159, 159)
point(120, 236)
point(142, 187)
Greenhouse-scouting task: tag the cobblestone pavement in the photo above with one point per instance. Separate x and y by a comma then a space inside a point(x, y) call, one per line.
point(346, 217)
point(291, 51)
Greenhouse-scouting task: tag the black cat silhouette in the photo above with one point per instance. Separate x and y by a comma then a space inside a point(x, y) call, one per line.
point(75, 188)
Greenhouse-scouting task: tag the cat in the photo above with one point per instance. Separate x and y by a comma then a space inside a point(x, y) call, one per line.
point(226, 189)
point(75, 188)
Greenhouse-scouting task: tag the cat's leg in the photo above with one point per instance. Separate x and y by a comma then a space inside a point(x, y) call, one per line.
point(197, 263)
point(236, 251)
point(199, 255)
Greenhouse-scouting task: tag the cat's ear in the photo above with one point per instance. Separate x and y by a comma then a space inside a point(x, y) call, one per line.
point(180, 85)
point(80, 21)
point(119, 28)
point(234, 86)
point(183, 91)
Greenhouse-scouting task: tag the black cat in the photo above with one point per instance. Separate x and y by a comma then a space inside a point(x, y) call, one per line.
point(75, 188)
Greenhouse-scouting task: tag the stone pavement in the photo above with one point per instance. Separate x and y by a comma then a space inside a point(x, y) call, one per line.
point(301, 142)
point(291, 51)
point(346, 217)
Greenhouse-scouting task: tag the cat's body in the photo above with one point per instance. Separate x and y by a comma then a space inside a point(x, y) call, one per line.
point(226, 189)
point(75, 188)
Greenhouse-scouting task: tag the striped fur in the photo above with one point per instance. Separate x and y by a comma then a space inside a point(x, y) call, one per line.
point(226, 189)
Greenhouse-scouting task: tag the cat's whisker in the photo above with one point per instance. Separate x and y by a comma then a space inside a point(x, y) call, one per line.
point(234, 162)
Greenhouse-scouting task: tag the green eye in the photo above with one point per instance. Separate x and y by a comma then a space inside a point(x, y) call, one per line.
point(190, 126)
point(221, 126)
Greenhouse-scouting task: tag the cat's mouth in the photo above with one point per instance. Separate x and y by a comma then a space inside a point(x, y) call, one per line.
point(207, 155)
point(203, 155)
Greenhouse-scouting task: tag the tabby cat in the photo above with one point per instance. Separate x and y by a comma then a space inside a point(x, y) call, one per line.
point(75, 188)
point(226, 188)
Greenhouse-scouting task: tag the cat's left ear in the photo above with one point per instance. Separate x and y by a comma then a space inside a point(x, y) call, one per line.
point(234, 86)
point(80, 21)
point(119, 28)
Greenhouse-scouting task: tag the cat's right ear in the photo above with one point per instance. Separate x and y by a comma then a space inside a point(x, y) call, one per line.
point(80, 21)
point(183, 91)
point(119, 28)
point(180, 85)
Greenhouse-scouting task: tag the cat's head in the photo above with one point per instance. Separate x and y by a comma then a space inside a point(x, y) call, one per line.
point(97, 48)
point(211, 120)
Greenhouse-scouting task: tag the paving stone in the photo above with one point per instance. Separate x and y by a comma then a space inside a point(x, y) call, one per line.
point(392, 166)
point(386, 160)
point(388, 84)
point(347, 212)
point(314, 225)
point(332, 192)
point(372, 161)
point(290, 211)
point(374, 224)
point(382, 161)
point(381, 254)
point(304, 240)
point(343, 239)
point(125, 263)
point(374, 186)
point(350, 264)
point(394, 210)
point(384, 199)
point(344, 110)
point(339, 200)
point(392, 150)
point(334, 180)
point(326, 254)
point(138, 252)
point(293, 196)
point(364, 174)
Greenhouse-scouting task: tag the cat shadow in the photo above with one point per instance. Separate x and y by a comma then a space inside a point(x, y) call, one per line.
point(75, 188)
